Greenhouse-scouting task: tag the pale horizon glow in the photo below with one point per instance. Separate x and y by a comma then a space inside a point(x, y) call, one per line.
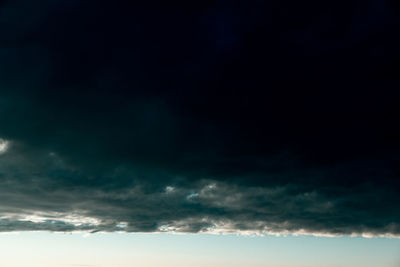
point(45, 249)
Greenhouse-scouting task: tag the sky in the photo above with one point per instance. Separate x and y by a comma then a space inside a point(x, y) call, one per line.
point(42, 249)
point(200, 123)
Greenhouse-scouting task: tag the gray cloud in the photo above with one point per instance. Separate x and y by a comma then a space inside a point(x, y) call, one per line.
point(36, 194)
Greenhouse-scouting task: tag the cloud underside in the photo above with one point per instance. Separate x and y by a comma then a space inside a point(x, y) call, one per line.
point(44, 193)
point(269, 118)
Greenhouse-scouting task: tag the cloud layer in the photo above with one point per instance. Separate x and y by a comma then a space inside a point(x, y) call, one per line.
point(261, 118)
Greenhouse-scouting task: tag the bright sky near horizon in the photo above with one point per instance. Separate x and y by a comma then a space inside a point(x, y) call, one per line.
point(42, 249)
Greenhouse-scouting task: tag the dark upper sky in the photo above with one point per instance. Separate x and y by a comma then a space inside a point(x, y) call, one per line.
point(271, 116)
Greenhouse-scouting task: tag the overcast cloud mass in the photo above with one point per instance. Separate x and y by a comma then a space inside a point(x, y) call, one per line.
point(252, 117)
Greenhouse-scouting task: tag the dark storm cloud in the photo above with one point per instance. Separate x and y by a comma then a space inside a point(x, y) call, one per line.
point(268, 117)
